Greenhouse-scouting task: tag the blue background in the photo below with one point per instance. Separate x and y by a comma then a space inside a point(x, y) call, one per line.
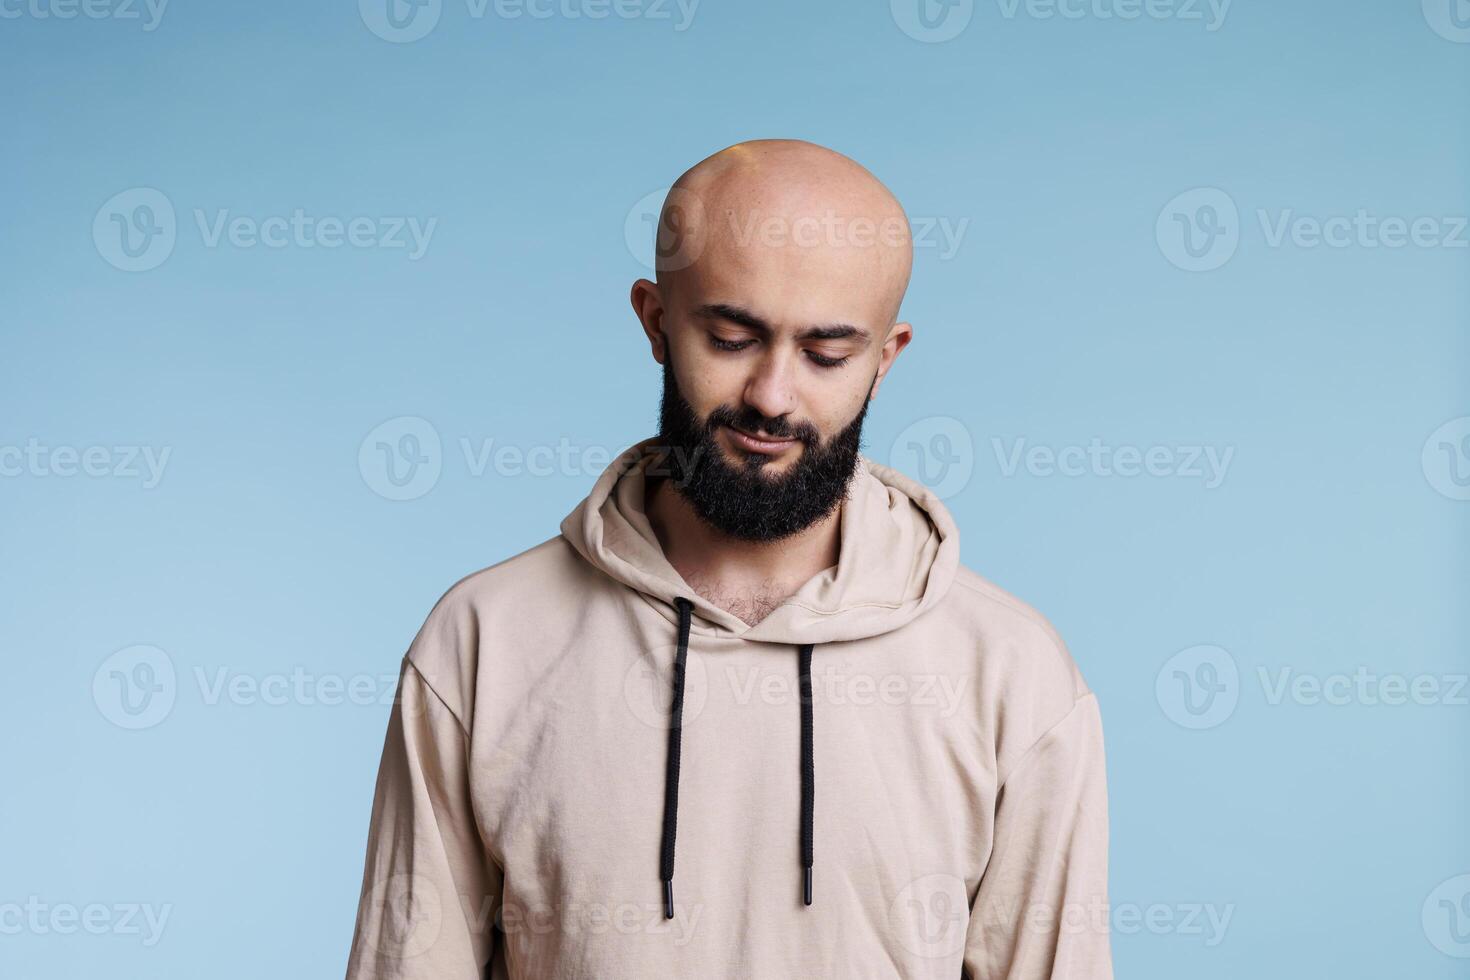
point(1322, 829)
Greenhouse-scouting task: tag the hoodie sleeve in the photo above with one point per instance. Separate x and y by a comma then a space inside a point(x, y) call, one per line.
point(1041, 909)
point(429, 892)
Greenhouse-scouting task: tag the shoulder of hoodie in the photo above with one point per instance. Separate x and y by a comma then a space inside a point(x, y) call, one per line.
point(445, 652)
point(1019, 652)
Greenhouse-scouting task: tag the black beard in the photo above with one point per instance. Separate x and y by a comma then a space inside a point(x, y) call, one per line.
point(746, 501)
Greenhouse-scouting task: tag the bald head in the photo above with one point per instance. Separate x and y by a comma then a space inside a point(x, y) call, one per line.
point(790, 209)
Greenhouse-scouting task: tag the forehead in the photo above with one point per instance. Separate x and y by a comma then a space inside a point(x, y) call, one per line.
point(797, 271)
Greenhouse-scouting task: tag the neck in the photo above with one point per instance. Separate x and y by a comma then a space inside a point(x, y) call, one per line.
point(746, 578)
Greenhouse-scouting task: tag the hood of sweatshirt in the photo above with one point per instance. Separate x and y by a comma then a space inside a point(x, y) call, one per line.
point(899, 550)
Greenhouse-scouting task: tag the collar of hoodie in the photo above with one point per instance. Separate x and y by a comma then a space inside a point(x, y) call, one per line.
point(898, 556)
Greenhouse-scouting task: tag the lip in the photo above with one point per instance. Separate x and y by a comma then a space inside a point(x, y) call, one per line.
point(754, 445)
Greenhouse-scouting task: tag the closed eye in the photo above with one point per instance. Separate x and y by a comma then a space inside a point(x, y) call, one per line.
point(827, 362)
point(821, 360)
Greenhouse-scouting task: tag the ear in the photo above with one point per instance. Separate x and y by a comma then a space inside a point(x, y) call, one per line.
point(648, 304)
point(898, 338)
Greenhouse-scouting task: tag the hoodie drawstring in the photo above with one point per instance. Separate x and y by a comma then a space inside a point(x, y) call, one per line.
point(808, 769)
point(671, 770)
point(671, 767)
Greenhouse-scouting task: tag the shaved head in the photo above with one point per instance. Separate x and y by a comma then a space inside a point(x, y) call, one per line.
point(781, 266)
point(823, 210)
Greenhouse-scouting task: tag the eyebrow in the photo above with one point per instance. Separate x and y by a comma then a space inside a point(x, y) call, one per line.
point(745, 318)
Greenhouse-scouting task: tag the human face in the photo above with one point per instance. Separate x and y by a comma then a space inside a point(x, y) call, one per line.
point(772, 344)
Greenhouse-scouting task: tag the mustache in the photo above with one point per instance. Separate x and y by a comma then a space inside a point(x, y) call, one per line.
point(755, 423)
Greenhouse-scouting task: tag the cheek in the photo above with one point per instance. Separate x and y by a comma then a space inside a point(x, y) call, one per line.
point(703, 383)
point(835, 420)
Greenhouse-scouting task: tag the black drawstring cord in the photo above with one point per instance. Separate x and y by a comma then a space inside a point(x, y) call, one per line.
point(671, 770)
point(676, 738)
point(808, 769)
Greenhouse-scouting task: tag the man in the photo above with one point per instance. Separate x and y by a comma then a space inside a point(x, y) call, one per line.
point(746, 715)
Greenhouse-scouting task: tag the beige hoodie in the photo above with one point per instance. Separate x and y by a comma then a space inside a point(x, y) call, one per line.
point(948, 793)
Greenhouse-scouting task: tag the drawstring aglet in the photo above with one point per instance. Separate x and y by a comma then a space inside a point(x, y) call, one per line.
point(669, 900)
point(806, 892)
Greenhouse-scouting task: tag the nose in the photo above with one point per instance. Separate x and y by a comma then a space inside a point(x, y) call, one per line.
point(770, 389)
